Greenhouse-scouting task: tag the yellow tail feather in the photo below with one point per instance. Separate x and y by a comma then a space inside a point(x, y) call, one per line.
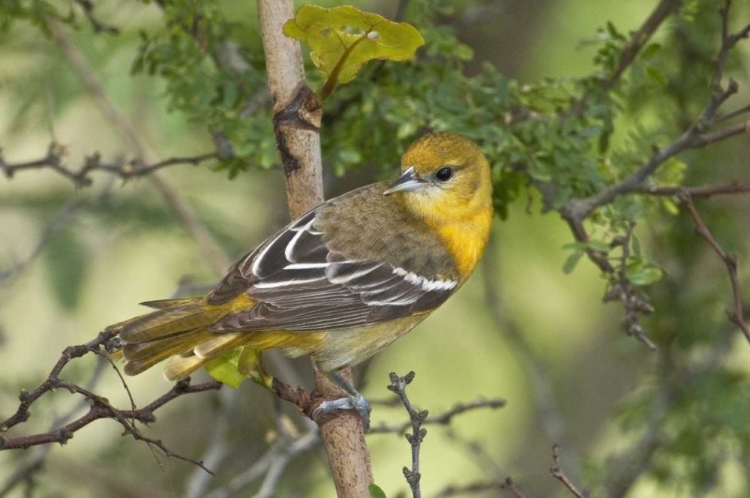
point(161, 304)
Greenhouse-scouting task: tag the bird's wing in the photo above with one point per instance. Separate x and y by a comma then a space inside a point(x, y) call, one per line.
point(299, 283)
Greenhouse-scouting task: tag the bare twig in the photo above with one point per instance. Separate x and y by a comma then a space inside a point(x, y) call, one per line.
point(100, 408)
point(54, 160)
point(443, 418)
point(704, 192)
point(415, 438)
point(511, 486)
point(558, 473)
point(621, 289)
point(730, 260)
point(37, 457)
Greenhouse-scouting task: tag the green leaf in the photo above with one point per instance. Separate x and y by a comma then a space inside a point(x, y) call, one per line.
point(656, 75)
point(599, 245)
point(66, 257)
point(375, 491)
point(636, 245)
point(343, 39)
point(642, 274)
point(571, 262)
point(225, 370)
point(650, 50)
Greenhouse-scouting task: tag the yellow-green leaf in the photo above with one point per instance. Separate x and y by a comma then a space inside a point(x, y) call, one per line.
point(343, 39)
point(642, 274)
point(224, 369)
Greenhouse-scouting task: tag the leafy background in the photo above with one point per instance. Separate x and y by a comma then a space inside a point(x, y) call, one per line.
point(74, 260)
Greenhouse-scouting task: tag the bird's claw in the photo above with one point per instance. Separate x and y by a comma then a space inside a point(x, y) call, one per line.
point(358, 403)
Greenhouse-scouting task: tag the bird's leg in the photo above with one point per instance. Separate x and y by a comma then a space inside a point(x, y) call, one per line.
point(353, 400)
point(250, 365)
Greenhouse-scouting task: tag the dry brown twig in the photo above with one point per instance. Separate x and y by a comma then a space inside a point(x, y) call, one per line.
point(559, 474)
point(444, 418)
point(735, 315)
point(55, 160)
point(100, 407)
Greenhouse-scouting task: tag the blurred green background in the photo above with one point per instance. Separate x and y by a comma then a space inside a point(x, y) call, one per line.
point(74, 260)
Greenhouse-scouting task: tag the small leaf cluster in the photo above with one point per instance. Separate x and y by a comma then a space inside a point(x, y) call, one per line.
point(212, 81)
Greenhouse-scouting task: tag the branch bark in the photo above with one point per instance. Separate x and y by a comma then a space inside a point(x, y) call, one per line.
point(297, 117)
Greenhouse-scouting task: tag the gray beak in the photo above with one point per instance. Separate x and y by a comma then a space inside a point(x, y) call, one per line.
point(407, 182)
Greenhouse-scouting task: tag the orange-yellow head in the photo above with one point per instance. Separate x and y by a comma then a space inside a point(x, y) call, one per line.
point(446, 182)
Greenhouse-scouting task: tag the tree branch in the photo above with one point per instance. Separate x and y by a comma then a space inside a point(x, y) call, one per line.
point(444, 418)
point(54, 160)
point(630, 51)
point(560, 475)
point(297, 118)
point(736, 315)
point(100, 407)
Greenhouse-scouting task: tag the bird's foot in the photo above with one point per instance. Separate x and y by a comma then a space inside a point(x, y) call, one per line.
point(350, 402)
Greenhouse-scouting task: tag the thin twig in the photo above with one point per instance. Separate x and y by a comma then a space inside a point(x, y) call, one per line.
point(100, 408)
point(415, 438)
point(704, 192)
point(560, 475)
point(577, 210)
point(54, 160)
point(511, 486)
point(630, 51)
point(36, 461)
point(730, 261)
point(443, 418)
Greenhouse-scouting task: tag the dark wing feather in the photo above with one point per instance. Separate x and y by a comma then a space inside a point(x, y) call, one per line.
point(301, 284)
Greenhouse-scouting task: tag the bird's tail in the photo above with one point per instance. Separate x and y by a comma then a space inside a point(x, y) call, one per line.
point(178, 330)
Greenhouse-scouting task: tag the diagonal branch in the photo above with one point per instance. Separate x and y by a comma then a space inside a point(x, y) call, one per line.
point(736, 315)
point(630, 51)
point(176, 201)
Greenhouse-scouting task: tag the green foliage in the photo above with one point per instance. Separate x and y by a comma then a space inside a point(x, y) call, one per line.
point(375, 491)
point(211, 81)
point(343, 39)
point(554, 139)
point(225, 368)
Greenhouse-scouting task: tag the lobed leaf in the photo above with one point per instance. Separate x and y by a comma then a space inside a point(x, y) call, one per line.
point(343, 39)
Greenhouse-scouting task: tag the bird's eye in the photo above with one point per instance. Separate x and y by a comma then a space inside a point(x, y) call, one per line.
point(444, 174)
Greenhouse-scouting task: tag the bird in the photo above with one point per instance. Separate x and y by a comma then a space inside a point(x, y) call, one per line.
point(339, 283)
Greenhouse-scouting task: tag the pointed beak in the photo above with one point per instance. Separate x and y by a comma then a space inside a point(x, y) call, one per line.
point(407, 182)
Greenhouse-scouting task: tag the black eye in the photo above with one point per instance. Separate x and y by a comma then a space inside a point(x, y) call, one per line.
point(444, 174)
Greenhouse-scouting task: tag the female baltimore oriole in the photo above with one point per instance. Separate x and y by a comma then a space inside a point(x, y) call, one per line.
point(341, 282)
